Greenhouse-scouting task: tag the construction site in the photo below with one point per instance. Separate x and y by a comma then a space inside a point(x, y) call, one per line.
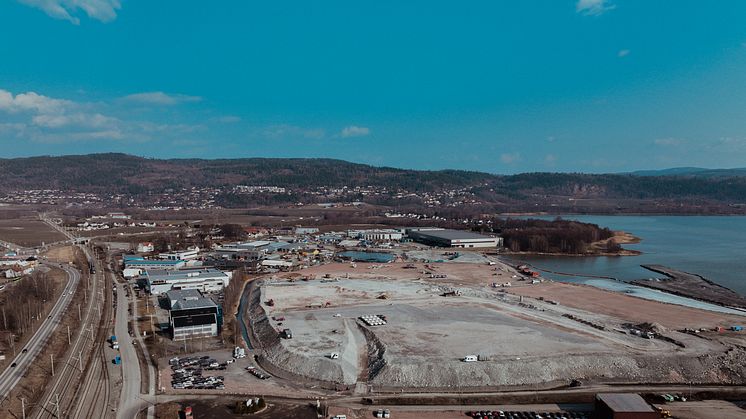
point(475, 326)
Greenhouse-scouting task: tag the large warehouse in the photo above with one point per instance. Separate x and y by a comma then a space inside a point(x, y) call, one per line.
point(452, 238)
point(134, 265)
point(205, 280)
point(623, 406)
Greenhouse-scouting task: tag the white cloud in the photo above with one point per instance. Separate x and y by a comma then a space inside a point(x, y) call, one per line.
point(35, 117)
point(161, 98)
point(622, 53)
point(33, 110)
point(510, 158)
point(550, 159)
point(102, 10)
point(80, 119)
point(354, 131)
point(31, 101)
point(286, 131)
point(593, 7)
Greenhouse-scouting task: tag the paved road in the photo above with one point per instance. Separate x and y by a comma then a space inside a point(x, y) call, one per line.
point(12, 375)
point(151, 368)
point(130, 401)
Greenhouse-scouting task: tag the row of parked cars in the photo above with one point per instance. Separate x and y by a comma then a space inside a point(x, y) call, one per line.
point(256, 373)
point(488, 414)
point(187, 373)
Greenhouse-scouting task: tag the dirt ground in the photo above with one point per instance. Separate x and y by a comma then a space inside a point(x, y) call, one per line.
point(523, 334)
point(62, 254)
point(446, 412)
point(706, 409)
point(28, 232)
point(456, 273)
point(222, 408)
point(31, 387)
point(636, 310)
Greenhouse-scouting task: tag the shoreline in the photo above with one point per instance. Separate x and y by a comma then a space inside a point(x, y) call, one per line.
point(689, 285)
point(621, 238)
point(616, 214)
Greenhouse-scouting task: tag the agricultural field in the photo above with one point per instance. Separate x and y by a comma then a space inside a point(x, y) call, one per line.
point(28, 232)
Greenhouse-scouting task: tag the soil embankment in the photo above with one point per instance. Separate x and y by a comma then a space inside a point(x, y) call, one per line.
point(273, 357)
point(692, 286)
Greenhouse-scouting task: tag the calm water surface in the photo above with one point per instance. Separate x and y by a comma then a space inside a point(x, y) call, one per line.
point(367, 256)
point(712, 246)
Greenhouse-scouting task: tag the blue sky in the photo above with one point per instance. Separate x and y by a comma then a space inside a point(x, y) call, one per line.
point(496, 86)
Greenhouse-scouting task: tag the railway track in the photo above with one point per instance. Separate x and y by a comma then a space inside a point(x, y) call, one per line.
point(61, 395)
point(97, 391)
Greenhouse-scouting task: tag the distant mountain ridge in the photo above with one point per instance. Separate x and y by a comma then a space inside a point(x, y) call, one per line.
point(688, 189)
point(693, 171)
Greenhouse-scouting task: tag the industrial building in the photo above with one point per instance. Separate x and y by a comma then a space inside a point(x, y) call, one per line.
point(159, 281)
point(376, 235)
point(623, 406)
point(135, 265)
point(191, 315)
point(188, 254)
point(442, 237)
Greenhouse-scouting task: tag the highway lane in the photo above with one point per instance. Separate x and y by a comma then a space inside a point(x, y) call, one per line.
point(12, 375)
point(58, 392)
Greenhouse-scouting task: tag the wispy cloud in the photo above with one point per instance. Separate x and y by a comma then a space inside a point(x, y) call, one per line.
point(35, 117)
point(622, 53)
point(510, 158)
point(289, 131)
point(161, 98)
point(354, 131)
point(102, 10)
point(668, 141)
point(593, 7)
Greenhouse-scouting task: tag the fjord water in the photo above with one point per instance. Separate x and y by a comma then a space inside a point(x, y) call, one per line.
point(711, 246)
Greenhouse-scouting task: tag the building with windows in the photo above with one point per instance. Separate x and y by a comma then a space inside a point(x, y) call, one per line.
point(188, 254)
point(191, 315)
point(376, 235)
point(135, 265)
point(159, 281)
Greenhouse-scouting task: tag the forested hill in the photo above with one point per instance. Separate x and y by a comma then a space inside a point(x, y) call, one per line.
point(126, 172)
point(130, 174)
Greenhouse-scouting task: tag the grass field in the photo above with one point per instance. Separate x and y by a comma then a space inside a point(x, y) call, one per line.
point(28, 232)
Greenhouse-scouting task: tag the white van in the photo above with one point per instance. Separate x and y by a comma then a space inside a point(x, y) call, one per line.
point(470, 358)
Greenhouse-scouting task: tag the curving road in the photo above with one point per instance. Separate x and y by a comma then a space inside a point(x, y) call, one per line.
point(12, 375)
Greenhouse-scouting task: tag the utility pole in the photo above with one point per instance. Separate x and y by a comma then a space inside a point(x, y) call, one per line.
point(79, 312)
point(80, 360)
point(23, 407)
point(57, 396)
point(68, 336)
point(51, 356)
